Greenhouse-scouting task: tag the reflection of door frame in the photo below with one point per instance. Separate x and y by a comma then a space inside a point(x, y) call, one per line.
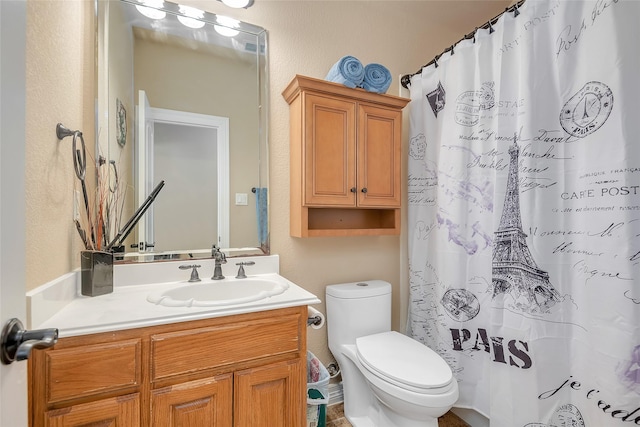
point(221, 126)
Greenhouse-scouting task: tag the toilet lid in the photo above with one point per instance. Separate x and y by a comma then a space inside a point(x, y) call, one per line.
point(404, 360)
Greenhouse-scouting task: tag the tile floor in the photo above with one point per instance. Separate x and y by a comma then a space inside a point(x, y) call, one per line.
point(335, 418)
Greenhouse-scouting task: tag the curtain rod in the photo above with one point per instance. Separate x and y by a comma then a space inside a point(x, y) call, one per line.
point(406, 79)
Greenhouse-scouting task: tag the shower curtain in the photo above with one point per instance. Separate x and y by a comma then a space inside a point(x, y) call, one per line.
point(524, 215)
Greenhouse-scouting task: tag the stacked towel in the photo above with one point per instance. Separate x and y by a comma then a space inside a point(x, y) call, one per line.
point(377, 78)
point(348, 71)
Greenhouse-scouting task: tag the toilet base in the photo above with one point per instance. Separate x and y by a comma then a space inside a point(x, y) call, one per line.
point(365, 405)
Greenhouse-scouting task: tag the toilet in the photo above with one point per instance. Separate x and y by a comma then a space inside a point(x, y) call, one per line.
point(389, 379)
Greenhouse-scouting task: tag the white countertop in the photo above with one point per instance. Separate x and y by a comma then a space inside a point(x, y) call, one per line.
point(54, 305)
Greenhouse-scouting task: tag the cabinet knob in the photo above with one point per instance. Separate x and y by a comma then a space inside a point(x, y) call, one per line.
point(353, 189)
point(364, 190)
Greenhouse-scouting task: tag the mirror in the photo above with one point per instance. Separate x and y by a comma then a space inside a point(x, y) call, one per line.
point(182, 100)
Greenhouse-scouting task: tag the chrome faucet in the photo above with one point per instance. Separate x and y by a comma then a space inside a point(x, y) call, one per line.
point(220, 259)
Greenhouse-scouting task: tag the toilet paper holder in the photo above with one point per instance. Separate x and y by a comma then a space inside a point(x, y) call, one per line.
point(315, 319)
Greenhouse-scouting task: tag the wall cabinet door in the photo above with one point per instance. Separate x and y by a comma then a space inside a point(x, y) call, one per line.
point(201, 403)
point(379, 151)
point(116, 411)
point(330, 151)
point(270, 395)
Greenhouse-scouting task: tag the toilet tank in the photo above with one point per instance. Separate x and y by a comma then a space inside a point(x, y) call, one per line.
point(357, 309)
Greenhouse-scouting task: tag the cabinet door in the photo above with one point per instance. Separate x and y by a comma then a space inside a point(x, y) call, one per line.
point(329, 151)
point(207, 402)
point(272, 395)
point(117, 411)
point(379, 152)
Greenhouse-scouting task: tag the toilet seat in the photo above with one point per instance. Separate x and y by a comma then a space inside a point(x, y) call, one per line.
point(404, 362)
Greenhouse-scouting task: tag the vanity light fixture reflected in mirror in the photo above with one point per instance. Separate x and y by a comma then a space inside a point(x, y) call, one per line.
point(238, 3)
point(226, 27)
point(192, 17)
point(150, 9)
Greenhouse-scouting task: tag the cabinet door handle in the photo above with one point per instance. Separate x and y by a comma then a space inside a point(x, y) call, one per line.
point(364, 190)
point(353, 189)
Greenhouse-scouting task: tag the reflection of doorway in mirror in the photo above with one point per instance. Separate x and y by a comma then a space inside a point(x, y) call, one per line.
point(190, 152)
point(186, 215)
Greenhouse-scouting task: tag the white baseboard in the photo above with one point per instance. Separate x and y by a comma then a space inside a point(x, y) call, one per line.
point(335, 393)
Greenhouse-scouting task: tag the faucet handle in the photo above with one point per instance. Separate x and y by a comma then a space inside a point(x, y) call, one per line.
point(194, 273)
point(241, 274)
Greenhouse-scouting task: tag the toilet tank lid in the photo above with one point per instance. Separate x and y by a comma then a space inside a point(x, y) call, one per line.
point(364, 289)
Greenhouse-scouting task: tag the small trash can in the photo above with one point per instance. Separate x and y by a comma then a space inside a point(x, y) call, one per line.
point(317, 392)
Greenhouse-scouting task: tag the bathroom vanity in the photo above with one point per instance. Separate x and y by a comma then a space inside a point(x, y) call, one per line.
point(242, 370)
point(145, 364)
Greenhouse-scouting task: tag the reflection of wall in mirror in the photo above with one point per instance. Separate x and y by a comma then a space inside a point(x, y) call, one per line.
point(120, 54)
point(182, 79)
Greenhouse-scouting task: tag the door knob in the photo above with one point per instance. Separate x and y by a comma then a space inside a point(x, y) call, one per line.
point(17, 342)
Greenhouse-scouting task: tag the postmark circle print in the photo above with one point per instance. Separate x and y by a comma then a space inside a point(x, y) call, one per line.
point(460, 304)
point(587, 110)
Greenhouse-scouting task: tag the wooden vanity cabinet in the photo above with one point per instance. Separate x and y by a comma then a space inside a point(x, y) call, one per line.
point(345, 159)
point(241, 370)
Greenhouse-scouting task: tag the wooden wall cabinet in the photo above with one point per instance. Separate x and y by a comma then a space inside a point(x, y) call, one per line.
point(345, 159)
point(244, 370)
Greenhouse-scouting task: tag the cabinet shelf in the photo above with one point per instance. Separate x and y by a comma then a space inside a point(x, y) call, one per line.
point(350, 222)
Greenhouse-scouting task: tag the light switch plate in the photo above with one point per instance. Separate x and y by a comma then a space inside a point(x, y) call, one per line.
point(241, 199)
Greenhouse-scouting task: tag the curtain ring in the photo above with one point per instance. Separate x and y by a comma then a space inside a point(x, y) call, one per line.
point(452, 51)
point(516, 12)
point(435, 61)
point(491, 30)
point(474, 35)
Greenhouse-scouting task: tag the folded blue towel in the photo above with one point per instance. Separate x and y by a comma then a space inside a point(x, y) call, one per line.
point(377, 78)
point(348, 71)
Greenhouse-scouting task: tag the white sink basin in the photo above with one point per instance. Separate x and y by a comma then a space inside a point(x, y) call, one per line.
point(219, 292)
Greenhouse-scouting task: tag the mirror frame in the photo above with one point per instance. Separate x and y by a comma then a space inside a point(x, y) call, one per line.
point(103, 118)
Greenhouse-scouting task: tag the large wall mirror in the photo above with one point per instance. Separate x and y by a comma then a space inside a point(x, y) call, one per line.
point(182, 101)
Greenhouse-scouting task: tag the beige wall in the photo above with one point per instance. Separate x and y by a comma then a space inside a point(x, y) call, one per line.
point(60, 67)
point(305, 37)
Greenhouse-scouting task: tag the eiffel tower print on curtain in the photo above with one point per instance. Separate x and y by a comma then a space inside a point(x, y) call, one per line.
point(514, 270)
